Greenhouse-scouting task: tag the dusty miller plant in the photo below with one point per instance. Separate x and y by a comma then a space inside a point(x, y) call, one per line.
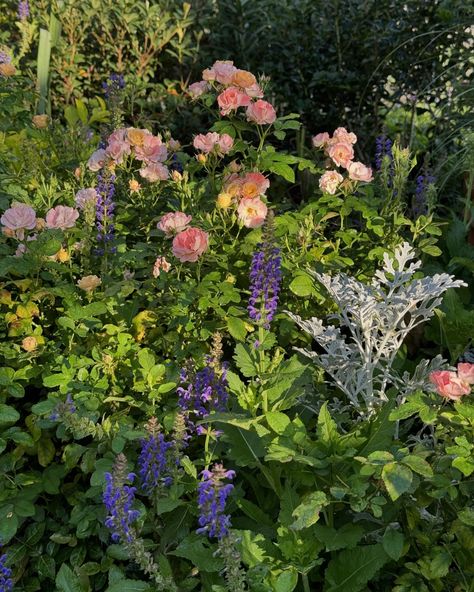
point(373, 321)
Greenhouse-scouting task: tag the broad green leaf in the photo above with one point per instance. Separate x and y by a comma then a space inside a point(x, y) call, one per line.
point(67, 581)
point(129, 586)
point(245, 446)
point(307, 513)
point(467, 516)
point(392, 542)
point(8, 414)
point(397, 479)
point(200, 555)
point(345, 537)
point(351, 569)
point(237, 328)
point(302, 285)
point(277, 421)
point(418, 464)
point(286, 581)
point(244, 361)
point(327, 427)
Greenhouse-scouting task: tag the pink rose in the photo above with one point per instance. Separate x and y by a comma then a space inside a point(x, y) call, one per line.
point(86, 198)
point(252, 212)
point(221, 71)
point(190, 244)
point(97, 160)
point(449, 385)
point(19, 218)
point(155, 171)
point(174, 222)
point(231, 99)
point(160, 265)
point(151, 150)
point(261, 112)
point(359, 172)
point(253, 185)
point(342, 135)
point(225, 143)
point(320, 140)
point(466, 372)
point(206, 142)
point(117, 146)
point(330, 181)
point(341, 153)
point(254, 91)
point(198, 88)
point(61, 217)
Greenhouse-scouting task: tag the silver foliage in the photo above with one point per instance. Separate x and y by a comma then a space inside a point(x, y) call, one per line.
point(377, 318)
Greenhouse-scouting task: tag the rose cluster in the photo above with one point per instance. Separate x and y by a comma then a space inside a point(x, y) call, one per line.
point(245, 191)
point(237, 88)
point(340, 149)
point(189, 243)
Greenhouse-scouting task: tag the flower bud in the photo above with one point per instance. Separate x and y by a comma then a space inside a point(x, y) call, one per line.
point(202, 158)
point(176, 176)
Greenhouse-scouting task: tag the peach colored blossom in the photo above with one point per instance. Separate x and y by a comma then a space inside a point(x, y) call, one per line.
point(29, 344)
point(190, 244)
point(254, 91)
point(161, 264)
point(174, 222)
point(206, 142)
point(449, 385)
point(466, 372)
point(261, 112)
point(155, 171)
point(151, 150)
point(320, 140)
point(97, 160)
point(136, 136)
point(359, 172)
point(243, 79)
point(86, 198)
point(89, 283)
point(198, 88)
point(40, 121)
point(341, 153)
point(221, 71)
point(40, 224)
point(252, 212)
point(7, 69)
point(253, 185)
point(19, 218)
point(231, 99)
point(134, 186)
point(330, 181)
point(176, 176)
point(224, 200)
point(342, 135)
point(234, 166)
point(62, 217)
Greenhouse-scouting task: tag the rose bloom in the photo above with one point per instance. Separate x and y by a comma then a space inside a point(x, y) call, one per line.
point(225, 144)
point(206, 142)
point(221, 71)
point(134, 185)
point(466, 372)
point(173, 145)
point(190, 244)
point(261, 112)
point(160, 265)
point(7, 70)
point(151, 150)
point(243, 79)
point(19, 218)
point(136, 136)
point(40, 121)
point(89, 283)
point(224, 200)
point(231, 99)
point(359, 172)
point(86, 198)
point(254, 91)
point(342, 135)
point(155, 171)
point(97, 160)
point(252, 212)
point(330, 181)
point(29, 344)
point(253, 185)
point(174, 222)
point(449, 385)
point(117, 149)
point(341, 153)
point(198, 88)
point(61, 217)
point(320, 140)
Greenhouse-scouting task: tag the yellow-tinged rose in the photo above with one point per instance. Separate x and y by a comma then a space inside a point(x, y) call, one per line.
point(134, 185)
point(176, 176)
point(62, 255)
point(244, 79)
point(89, 283)
point(7, 69)
point(40, 121)
point(202, 158)
point(29, 344)
point(224, 200)
point(136, 136)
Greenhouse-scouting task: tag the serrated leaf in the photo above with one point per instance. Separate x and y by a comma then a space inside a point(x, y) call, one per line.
point(67, 581)
point(397, 479)
point(129, 586)
point(237, 328)
point(343, 538)
point(351, 569)
point(244, 361)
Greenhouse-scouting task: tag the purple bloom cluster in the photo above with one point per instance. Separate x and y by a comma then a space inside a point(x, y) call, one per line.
point(62, 409)
point(6, 582)
point(154, 462)
point(23, 10)
point(104, 210)
point(265, 279)
point(5, 58)
point(383, 147)
point(118, 499)
point(212, 497)
point(113, 87)
point(420, 204)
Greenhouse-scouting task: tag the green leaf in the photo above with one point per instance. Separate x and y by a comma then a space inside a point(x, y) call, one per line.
point(277, 421)
point(327, 427)
point(193, 549)
point(129, 586)
point(8, 524)
point(286, 581)
point(392, 542)
point(343, 538)
point(245, 362)
point(467, 516)
point(307, 513)
point(351, 569)
point(236, 328)
point(380, 430)
point(397, 479)
point(283, 170)
point(8, 414)
point(67, 581)
point(302, 285)
point(46, 451)
point(146, 359)
point(418, 464)
point(246, 447)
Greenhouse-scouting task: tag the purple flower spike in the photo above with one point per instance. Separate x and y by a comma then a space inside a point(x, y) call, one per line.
point(6, 582)
point(212, 497)
point(154, 460)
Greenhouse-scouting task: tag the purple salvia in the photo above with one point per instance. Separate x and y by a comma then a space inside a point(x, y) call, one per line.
point(105, 207)
point(113, 87)
point(6, 582)
point(212, 497)
point(420, 204)
point(23, 10)
point(383, 147)
point(155, 461)
point(63, 409)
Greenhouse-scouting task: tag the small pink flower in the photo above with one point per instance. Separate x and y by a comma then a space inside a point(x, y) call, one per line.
point(253, 185)
point(198, 88)
point(466, 372)
point(231, 99)
point(261, 112)
point(86, 198)
point(320, 140)
point(97, 160)
point(341, 153)
point(161, 264)
point(221, 71)
point(449, 385)
point(19, 218)
point(342, 135)
point(252, 212)
point(206, 142)
point(151, 150)
point(118, 147)
point(62, 217)
point(254, 91)
point(359, 172)
point(190, 244)
point(155, 171)
point(225, 143)
point(174, 222)
point(330, 181)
